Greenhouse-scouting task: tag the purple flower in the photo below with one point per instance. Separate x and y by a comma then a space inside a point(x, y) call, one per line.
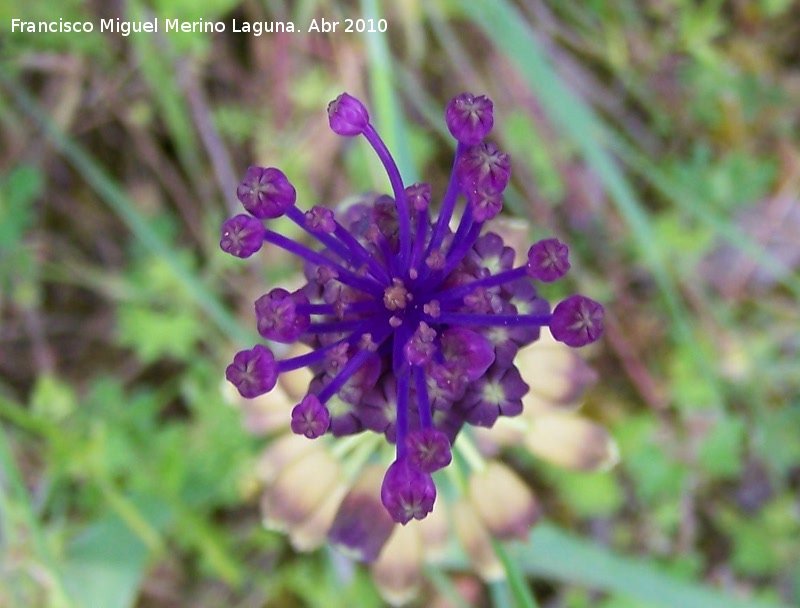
point(242, 236)
point(310, 418)
point(407, 492)
point(413, 327)
point(548, 260)
point(347, 116)
point(469, 118)
point(266, 193)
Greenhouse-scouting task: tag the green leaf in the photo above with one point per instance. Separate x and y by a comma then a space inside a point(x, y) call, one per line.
point(555, 554)
point(721, 451)
point(156, 334)
point(589, 494)
point(52, 398)
point(105, 564)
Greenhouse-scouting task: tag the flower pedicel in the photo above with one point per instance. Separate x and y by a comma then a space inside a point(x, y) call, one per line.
point(413, 327)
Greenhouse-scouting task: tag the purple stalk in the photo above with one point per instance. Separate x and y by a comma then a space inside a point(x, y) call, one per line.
point(397, 188)
point(344, 276)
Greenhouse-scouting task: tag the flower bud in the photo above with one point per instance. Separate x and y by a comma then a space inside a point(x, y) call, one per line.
point(505, 504)
point(266, 193)
point(362, 526)
point(242, 236)
point(483, 166)
point(476, 542)
point(277, 317)
point(406, 492)
point(347, 116)
point(398, 570)
point(299, 489)
point(577, 321)
point(572, 442)
point(469, 119)
point(310, 417)
point(253, 372)
point(548, 260)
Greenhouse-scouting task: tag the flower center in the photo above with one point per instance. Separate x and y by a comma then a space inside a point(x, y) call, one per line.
point(396, 296)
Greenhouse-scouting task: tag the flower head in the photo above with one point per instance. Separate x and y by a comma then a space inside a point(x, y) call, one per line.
point(413, 327)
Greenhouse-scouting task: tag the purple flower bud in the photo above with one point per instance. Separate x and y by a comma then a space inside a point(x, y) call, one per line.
point(485, 202)
point(428, 450)
point(277, 317)
point(310, 417)
point(320, 219)
point(483, 166)
point(242, 236)
point(266, 193)
point(407, 493)
point(347, 116)
point(548, 260)
point(420, 348)
point(577, 321)
point(498, 393)
point(419, 196)
point(253, 372)
point(469, 118)
point(362, 526)
point(469, 352)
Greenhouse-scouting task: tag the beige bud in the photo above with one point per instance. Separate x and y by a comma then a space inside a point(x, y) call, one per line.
point(503, 501)
point(557, 375)
point(476, 542)
point(398, 570)
point(435, 531)
point(282, 452)
point(572, 442)
point(268, 413)
point(299, 489)
point(312, 532)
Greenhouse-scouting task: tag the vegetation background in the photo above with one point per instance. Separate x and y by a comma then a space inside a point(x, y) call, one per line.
point(659, 138)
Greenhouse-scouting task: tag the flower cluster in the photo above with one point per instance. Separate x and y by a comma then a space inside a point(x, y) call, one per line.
point(413, 327)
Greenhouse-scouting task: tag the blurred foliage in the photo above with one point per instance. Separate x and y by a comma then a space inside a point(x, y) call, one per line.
point(126, 475)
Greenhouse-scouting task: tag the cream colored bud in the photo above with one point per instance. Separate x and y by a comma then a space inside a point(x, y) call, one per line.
point(312, 532)
point(557, 375)
point(267, 413)
point(435, 531)
point(282, 452)
point(299, 489)
point(398, 570)
point(503, 501)
point(572, 442)
point(476, 542)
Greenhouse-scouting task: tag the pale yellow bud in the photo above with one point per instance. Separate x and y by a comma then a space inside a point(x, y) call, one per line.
point(557, 375)
point(299, 489)
point(572, 442)
point(312, 532)
point(503, 501)
point(476, 542)
point(398, 570)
